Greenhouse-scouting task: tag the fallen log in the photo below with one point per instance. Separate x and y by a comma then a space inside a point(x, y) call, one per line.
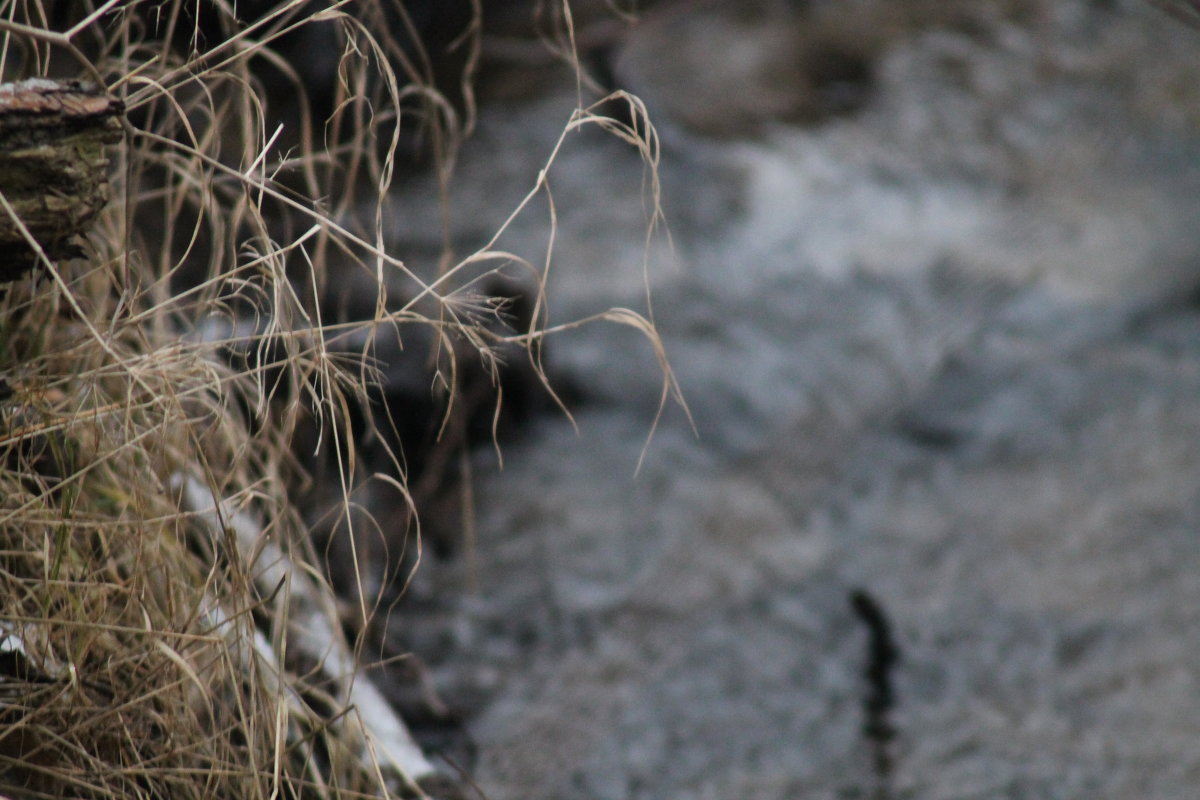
point(53, 167)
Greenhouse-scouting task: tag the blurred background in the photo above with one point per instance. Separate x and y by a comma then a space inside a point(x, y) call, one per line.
point(927, 281)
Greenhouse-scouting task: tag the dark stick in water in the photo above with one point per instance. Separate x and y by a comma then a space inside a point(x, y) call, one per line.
point(882, 656)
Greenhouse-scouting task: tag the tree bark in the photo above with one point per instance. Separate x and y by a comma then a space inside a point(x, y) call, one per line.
point(53, 167)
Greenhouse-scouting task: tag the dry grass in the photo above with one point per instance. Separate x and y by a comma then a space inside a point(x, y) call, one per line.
point(142, 653)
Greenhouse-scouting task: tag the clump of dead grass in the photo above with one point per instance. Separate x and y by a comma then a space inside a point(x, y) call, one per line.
point(141, 654)
point(152, 569)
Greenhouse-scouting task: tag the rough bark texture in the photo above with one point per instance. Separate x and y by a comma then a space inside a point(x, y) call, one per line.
point(53, 166)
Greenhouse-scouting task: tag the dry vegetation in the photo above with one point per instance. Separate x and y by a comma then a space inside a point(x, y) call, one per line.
point(154, 574)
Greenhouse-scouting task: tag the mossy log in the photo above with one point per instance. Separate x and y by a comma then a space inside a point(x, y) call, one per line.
point(53, 167)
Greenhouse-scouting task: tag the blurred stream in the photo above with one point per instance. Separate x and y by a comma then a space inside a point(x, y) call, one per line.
point(941, 346)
